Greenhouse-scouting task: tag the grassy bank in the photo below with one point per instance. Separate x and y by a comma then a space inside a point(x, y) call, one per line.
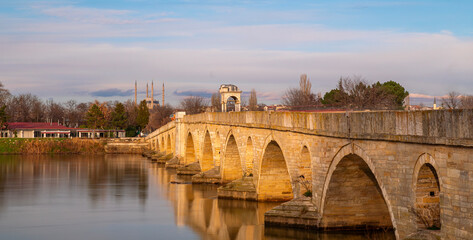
point(50, 145)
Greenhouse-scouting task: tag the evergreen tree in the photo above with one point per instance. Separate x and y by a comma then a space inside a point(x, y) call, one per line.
point(3, 118)
point(142, 117)
point(119, 117)
point(395, 89)
point(95, 117)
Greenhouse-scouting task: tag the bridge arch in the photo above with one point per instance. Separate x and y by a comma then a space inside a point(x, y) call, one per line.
point(207, 153)
point(426, 186)
point(274, 181)
point(249, 156)
point(163, 149)
point(168, 146)
point(218, 148)
point(353, 196)
point(304, 165)
point(190, 149)
point(231, 167)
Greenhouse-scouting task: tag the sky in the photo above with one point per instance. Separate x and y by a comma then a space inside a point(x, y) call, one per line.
point(88, 49)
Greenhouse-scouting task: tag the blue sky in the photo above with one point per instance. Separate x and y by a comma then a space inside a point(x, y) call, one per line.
point(88, 50)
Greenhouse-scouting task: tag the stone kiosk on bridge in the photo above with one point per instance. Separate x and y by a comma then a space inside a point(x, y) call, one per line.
point(405, 170)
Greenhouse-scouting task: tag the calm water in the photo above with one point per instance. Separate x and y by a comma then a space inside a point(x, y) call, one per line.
point(124, 197)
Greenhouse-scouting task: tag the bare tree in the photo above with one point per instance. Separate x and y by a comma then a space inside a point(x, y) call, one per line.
point(216, 102)
point(160, 116)
point(452, 101)
point(253, 102)
point(194, 104)
point(4, 95)
point(466, 102)
point(301, 98)
point(131, 111)
point(54, 111)
point(25, 108)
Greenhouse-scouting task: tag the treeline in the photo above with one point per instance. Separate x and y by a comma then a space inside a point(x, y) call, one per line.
point(352, 93)
point(97, 115)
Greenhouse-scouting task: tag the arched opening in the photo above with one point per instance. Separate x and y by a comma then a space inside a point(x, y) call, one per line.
point(190, 151)
point(274, 181)
point(305, 172)
point(249, 157)
point(168, 147)
point(207, 158)
point(218, 147)
point(163, 144)
point(427, 193)
point(231, 163)
point(231, 104)
point(354, 199)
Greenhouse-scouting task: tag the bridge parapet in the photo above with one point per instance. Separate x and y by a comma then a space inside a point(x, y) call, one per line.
point(445, 127)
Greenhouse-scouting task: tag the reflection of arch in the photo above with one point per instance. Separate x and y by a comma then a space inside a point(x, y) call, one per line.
point(274, 182)
point(190, 150)
point(231, 163)
point(352, 196)
point(207, 153)
point(249, 156)
point(427, 187)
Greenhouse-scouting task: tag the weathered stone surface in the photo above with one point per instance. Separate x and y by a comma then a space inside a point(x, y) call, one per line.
point(189, 169)
point(173, 163)
point(391, 149)
point(211, 176)
point(243, 188)
point(126, 145)
point(299, 213)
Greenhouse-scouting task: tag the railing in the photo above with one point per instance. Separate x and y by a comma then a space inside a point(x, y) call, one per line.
point(445, 127)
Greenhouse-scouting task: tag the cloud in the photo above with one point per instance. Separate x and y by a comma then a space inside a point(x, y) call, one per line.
point(112, 92)
point(188, 93)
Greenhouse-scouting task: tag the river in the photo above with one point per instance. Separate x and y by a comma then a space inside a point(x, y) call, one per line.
point(126, 197)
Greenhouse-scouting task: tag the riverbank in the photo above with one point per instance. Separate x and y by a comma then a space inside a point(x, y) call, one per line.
point(51, 145)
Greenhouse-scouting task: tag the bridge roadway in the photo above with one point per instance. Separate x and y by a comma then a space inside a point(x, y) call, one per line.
point(404, 170)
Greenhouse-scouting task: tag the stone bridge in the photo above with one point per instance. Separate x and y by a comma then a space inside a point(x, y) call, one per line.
point(406, 170)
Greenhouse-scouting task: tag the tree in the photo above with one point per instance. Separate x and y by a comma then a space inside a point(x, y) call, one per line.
point(4, 95)
point(160, 116)
point(452, 100)
point(253, 102)
point(395, 89)
point(142, 117)
point(301, 98)
point(216, 101)
point(466, 102)
point(194, 104)
point(118, 117)
point(331, 98)
point(3, 118)
point(356, 93)
point(54, 111)
point(95, 117)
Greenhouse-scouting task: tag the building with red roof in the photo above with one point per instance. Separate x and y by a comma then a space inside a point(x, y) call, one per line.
point(54, 130)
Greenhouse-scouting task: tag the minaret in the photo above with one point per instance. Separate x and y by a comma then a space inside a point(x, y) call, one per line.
point(152, 95)
point(135, 92)
point(435, 103)
point(147, 90)
point(163, 95)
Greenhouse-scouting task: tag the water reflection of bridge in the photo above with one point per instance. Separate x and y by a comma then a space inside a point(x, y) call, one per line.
point(197, 206)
